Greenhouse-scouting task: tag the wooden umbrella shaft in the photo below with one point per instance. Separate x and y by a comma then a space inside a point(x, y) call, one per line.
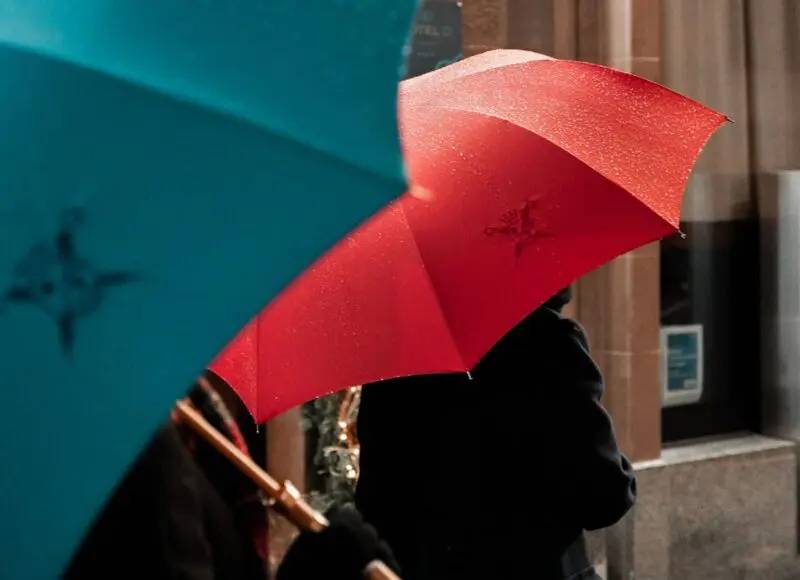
point(288, 499)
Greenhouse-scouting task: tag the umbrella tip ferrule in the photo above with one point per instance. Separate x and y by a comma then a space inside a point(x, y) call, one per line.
point(420, 192)
point(469, 376)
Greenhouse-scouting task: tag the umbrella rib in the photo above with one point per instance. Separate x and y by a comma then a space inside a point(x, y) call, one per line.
point(445, 322)
point(411, 102)
point(571, 154)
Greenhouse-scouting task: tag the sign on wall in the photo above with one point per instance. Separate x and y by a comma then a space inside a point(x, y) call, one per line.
point(681, 364)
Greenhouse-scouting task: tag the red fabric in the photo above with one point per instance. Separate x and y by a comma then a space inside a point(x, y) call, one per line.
point(526, 173)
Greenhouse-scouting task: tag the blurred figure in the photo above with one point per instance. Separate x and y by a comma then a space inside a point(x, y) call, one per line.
point(185, 512)
point(499, 475)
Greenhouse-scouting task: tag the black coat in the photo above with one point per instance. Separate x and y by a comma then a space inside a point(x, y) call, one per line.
point(494, 477)
point(176, 516)
point(167, 520)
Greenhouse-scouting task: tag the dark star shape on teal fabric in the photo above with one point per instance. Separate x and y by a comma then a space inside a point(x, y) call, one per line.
point(55, 278)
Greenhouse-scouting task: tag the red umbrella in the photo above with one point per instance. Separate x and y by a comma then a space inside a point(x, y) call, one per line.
point(527, 172)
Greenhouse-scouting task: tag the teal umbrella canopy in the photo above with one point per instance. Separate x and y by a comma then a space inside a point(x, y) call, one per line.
point(165, 169)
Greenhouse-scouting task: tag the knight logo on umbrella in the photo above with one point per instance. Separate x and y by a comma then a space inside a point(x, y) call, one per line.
point(52, 276)
point(519, 226)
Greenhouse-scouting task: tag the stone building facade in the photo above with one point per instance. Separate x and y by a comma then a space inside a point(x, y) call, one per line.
point(722, 504)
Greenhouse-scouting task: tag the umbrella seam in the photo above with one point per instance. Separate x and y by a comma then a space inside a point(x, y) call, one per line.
point(258, 365)
point(445, 320)
point(554, 62)
point(578, 159)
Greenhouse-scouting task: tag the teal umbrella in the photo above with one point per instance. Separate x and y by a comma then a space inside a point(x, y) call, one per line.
point(165, 168)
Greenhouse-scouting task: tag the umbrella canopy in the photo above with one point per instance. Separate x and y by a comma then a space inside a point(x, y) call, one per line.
point(527, 172)
point(167, 167)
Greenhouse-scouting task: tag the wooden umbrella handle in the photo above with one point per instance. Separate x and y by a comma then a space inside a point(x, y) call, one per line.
point(377, 570)
point(287, 498)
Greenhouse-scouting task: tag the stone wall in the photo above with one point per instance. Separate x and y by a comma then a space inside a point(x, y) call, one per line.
point(717, 509)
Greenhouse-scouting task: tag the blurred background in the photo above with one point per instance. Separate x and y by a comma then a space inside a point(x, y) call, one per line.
point(698, 336)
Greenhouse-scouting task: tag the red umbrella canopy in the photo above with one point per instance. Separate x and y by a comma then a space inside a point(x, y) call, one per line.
point(527, 173)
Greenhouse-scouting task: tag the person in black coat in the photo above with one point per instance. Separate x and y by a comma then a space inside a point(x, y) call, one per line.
point(497, 475)
point(183, 512)
point(167, 520)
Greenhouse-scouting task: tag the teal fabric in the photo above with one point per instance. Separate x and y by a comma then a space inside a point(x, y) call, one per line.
point(165, 169)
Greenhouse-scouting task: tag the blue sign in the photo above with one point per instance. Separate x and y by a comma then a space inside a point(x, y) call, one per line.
point(682, 364)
